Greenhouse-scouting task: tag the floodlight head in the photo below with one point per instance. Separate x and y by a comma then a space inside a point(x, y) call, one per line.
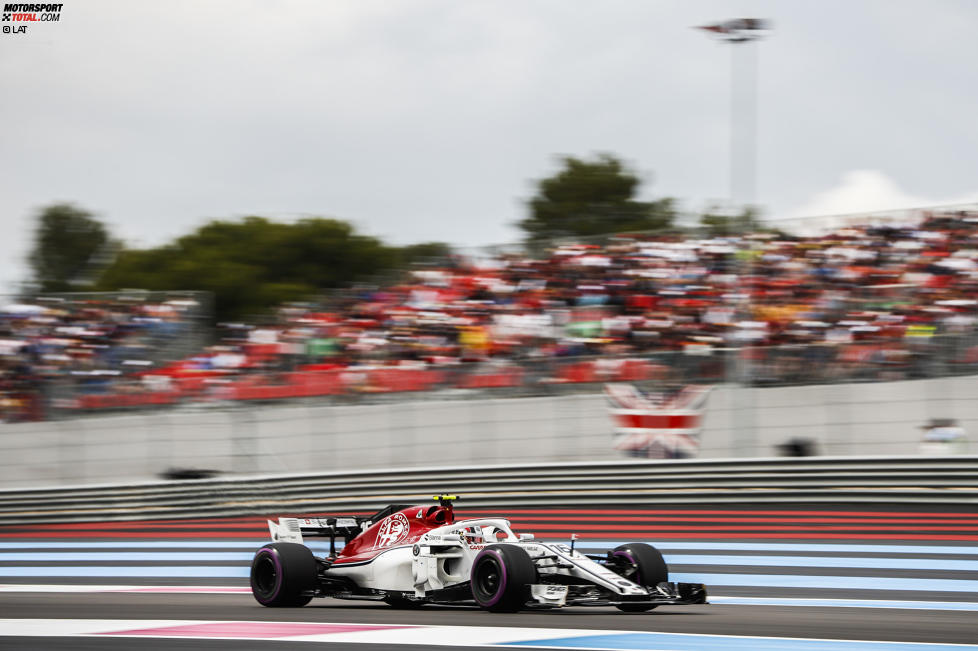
point(739, 30)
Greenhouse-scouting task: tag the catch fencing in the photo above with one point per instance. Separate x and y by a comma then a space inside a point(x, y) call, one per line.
point(926, 356)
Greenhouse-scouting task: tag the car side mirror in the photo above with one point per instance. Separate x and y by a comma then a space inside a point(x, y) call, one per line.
point(526, 536)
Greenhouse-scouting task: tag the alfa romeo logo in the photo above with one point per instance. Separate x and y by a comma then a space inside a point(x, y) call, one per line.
point(392, 530)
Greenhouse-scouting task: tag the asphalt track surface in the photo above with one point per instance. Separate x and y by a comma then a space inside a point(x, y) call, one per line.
point(777, 621)
point(948, 532)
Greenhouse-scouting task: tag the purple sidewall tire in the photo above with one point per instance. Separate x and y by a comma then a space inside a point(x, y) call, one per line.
point(515, 573)
point(650, 567)
point(631, 559)
point(503, 577)
point(268, 552)
point(284, 575)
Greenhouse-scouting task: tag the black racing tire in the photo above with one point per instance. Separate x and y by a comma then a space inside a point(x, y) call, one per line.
point(644, 565)
point(283, 575)
point(501, 577)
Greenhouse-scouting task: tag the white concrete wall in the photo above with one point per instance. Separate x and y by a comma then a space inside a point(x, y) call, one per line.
point(877, 418)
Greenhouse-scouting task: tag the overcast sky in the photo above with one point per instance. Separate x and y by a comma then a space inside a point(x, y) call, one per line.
point(427, 120)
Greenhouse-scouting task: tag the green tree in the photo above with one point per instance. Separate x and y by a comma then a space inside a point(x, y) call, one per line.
point(70, 248)
point(717, 223)
point(592, 197)
point(425, 252)
point(255, 264)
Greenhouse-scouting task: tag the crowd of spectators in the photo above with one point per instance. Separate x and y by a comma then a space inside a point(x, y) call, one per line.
point(868, 302)
point(860, 294)
point(83, 343)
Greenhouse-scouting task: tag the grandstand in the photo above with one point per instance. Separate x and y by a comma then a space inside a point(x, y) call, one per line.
point(862, 300)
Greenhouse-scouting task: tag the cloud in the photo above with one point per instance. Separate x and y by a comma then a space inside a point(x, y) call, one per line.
point(866, 192)
point(432, 119)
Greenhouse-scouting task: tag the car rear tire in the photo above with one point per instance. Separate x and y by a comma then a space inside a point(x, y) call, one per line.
point(500, 578)
point(283, 575)
point(641, 564)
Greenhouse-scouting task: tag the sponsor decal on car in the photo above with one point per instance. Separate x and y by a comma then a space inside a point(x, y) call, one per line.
point(392, 530)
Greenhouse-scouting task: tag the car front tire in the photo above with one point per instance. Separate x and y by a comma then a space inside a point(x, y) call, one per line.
point(500, 578)
point(642, 564)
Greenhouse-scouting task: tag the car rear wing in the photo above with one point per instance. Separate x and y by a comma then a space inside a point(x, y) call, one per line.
point(333, 527)
point(294, 529)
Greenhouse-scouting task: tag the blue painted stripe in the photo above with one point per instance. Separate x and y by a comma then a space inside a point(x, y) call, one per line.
point(843, 603)
point(790, 547)
point(586, 544)
point(44, 557)
point(672, 559)
point(202, 544)
point(173, 571)
point(831, 582)
point(823, 561)
point(681, 642)
point(252, 546)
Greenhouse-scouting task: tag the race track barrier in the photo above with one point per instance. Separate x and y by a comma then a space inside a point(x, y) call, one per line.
point(838, 480)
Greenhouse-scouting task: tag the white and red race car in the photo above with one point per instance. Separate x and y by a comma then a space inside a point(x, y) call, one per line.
point(408, 556)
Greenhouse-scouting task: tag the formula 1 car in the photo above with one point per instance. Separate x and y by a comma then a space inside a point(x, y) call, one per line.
point(408, 556)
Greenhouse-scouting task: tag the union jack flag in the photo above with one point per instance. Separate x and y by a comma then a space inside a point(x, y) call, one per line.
point(665, 426)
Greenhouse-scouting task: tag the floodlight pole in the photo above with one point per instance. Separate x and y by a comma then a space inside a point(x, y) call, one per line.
point(740, 33)
point(743, 154)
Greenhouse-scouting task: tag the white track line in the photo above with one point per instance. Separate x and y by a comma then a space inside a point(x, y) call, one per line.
point(470, 636)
